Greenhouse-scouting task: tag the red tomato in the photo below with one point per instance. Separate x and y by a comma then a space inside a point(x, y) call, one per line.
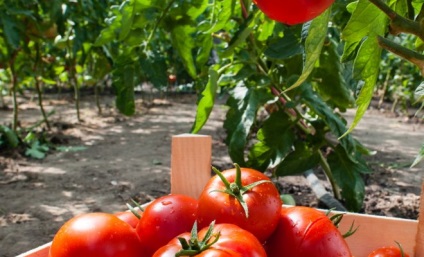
point(388, 251)
point(304, 231)
point(232, 242)
point(165, 218)
point(293, 12)
point(172, 78)
point(129, 217)
point(262, 201)
point(96, 234)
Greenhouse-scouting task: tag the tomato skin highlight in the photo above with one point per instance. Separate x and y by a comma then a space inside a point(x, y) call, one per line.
point(293, 12)
point(304, 231)
point(165, 218)
point(96, 234)
point(233, 241)
point(387, 251)
point(263, 203)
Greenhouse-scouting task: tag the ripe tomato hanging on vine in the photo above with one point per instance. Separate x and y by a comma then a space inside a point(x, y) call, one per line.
point(293, 12)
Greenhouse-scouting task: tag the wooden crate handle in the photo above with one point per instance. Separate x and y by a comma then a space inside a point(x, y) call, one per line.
point(190, 163)
point(419, 242)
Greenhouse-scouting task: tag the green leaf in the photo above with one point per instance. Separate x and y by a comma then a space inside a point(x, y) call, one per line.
point(348, 175)
point(127, 11)
point(333, 87)
point(183, 41)
point(367, 64)
point(327, 114)
point(37, 150)
point(317, 33)
point(240, 36)
point(206, 101)
point(275, 139)
point(243, 106)
point(10, 135)
point(419, 158)
point(283, 48)
point(124, 82)
point(303, 158)
point(11, 30)
point(366, 20)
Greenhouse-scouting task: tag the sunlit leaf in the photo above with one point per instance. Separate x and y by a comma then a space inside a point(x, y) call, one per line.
point(317, 33)
point(206, 101)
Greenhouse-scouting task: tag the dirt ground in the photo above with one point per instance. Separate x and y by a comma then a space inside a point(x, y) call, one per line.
point(129, 158)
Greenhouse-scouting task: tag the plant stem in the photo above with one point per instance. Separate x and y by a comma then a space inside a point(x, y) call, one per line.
point(14, 91)
point(293, 113)
point(38, 87)
point(405, 53)
point(329, 174)
point(400, 24)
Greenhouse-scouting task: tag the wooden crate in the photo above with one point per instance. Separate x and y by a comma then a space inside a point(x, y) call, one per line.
point(190, 169)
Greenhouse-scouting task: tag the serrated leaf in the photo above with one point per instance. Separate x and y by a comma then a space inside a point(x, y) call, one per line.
point(275, 139)
point(183, 41)
point(206, 101)
point(303, 158)
point(348, 175)
point(367, 65)
point(317, 33)
point(243, 106)
point(366, 20)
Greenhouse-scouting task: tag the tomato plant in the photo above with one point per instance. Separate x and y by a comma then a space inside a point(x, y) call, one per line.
point(241, 196)
point(221, 240)
point(388, 251)
point(304, 231)
point(96, 234)
point(293, 12)
point(164, 218)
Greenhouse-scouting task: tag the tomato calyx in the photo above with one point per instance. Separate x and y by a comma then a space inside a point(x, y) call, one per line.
point(135, 209)
point(337, 218)
point(236, 189)
point(195, 246)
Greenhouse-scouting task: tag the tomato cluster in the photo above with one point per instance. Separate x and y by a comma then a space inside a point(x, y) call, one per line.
point(239, 213)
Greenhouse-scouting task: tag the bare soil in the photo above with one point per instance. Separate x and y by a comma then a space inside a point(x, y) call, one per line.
point(126, 158)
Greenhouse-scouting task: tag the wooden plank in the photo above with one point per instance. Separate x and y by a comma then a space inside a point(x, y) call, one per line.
point(190, 163)
point(41, 251)
point(420, 233)
point(377, 231)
